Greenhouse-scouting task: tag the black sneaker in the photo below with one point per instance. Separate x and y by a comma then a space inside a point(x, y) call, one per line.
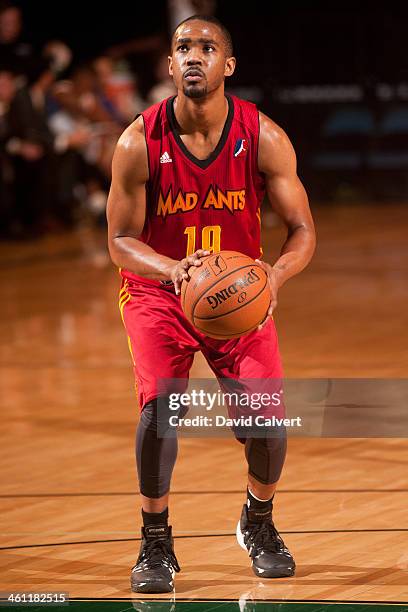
point(259, 536)
point(156, 565)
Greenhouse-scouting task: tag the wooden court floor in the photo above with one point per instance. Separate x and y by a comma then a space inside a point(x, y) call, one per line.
point(70, 517)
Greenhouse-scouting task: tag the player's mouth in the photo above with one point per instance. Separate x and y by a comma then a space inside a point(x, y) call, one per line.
point(193, 75)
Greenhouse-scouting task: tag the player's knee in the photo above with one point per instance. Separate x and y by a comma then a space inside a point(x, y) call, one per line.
point(266, 456)
point(156, 449)
point(157, 415)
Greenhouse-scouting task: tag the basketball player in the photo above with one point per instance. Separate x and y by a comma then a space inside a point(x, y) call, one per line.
point(177, 170)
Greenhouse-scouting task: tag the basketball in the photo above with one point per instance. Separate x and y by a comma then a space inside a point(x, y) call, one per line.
point(227, 296)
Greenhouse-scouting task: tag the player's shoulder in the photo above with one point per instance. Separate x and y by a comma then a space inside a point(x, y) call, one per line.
point(130, 154)
point(133, 135)
point(139, 129)
point(275, 149)
point(272, 133)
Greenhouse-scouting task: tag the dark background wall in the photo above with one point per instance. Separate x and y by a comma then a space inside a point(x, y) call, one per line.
point(285, 42)
point(307, 64)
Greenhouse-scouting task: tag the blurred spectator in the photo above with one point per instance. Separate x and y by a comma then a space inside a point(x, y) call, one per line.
point(7, 92)
point(81, 97)
point(59, 56)
point(145, 44)
point(87, 116)
point(165, 85)
point(82, 180)
point(87, 96)
point(140, 54)
point(181, 9)
point(44, 160)
point(119, 86)
point(30, 145)
point(17, 53)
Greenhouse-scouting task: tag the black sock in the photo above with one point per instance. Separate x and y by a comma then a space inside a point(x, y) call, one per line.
point(258, 509)
point(155, 518)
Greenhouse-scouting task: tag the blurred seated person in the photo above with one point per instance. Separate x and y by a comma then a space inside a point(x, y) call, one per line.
point(81, 97)
point(83, 179)
point(40, 159)
point(165, 84)
point(14, 50)
point(8, 86)
point(119, 87)
point(58, 54)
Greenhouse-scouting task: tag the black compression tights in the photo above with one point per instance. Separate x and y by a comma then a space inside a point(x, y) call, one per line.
point(156, 454)
point(266, 457)
point(156, 450)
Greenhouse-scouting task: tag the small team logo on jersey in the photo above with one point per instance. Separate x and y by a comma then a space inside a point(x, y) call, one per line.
point(165, 158)
point(241, 147)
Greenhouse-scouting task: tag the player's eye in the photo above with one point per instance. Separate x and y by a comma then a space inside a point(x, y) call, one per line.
point(209, 48)
point(182, 48)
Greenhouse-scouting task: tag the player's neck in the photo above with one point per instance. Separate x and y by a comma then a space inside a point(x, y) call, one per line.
point(201, 114)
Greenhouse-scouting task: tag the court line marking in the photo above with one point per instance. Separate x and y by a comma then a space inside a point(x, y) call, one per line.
point(100, 533)
point(241, 491)
point(210, 535)
point(170, 600)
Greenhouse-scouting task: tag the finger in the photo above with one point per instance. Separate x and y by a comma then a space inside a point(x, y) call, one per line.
point(182, 276)
point(184, 263)
point(262, 323)
point(202, 252)
point(266, 319)
point(271, 308)
point(194, 261)
point(177, 286)
point(264, 267)
point(179, 277)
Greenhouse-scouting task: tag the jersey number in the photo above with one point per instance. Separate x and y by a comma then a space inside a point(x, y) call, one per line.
point(210, 239)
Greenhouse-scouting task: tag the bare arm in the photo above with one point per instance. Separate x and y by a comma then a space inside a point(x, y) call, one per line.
point(126, 212)
point(277, 160)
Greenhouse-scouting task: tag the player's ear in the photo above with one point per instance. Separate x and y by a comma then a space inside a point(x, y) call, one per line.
point(230, 63)
point(170, 65)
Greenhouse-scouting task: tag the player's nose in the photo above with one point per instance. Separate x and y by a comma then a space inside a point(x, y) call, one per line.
point(194, 59)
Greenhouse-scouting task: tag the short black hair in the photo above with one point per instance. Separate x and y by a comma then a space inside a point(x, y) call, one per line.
point(229, 50)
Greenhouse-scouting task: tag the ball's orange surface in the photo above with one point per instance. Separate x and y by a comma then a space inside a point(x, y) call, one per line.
point(227, 296)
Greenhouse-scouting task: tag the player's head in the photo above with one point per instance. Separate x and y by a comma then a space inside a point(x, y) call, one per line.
point(201, 56)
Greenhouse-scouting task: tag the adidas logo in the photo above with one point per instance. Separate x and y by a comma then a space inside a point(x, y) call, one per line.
point(165, 158)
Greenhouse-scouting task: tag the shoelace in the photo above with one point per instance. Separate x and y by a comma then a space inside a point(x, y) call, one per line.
point(263, 535)
point(154, 551)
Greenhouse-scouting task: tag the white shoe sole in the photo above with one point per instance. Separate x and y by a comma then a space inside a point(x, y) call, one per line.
point(258, 571)
point(240, 537)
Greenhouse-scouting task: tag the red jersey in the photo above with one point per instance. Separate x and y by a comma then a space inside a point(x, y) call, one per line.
point(211, 204)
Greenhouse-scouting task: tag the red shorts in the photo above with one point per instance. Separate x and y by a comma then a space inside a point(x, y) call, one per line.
point(163, 342)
